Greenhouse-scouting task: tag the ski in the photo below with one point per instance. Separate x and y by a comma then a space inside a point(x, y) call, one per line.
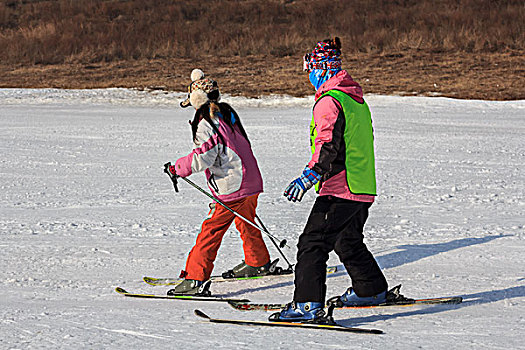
point(178, 297)
point(394, 299)
point(170, 281)
point(333, 327)
point(244, 306)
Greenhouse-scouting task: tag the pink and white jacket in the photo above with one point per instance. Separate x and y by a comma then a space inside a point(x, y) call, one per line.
point(231, 168)
point(326, 112)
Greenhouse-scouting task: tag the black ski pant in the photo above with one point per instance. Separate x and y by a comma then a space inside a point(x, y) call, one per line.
point(335, 224)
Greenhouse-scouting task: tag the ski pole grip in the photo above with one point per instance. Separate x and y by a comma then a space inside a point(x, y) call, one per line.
point(173, 178)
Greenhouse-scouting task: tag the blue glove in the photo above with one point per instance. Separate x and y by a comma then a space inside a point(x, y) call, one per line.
point(298, 187)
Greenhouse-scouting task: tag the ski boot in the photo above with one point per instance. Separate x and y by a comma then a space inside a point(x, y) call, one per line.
point(394, 296)
point(308, 312)
point(349, 298)
point(245, 270)
point(191, 287)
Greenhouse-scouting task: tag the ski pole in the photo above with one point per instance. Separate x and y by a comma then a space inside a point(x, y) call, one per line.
point(290, 266)
point(174, 180)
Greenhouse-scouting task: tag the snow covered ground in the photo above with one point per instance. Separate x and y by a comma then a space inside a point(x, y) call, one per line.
point(85, 207)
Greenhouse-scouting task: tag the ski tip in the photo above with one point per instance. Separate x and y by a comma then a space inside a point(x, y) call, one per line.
point(121, 290)
point(199, 313)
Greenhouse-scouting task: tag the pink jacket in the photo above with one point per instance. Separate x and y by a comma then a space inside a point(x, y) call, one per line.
point(231, 167)
point(326, 112)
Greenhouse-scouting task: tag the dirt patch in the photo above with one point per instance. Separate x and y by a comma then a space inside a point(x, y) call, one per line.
point(488, 76)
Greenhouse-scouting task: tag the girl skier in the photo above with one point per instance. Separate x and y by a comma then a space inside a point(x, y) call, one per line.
point(221, 149)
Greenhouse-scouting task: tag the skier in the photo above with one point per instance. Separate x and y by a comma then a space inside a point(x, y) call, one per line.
point(342, 169)
point(221, 149)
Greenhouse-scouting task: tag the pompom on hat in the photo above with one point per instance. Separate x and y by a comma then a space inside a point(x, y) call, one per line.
point(201, 90)
point(326, 55)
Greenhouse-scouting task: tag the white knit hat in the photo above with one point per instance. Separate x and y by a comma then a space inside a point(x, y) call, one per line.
point(201, 90)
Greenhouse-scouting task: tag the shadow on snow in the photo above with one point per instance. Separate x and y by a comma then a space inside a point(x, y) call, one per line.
point(407, 254)
point(468, 300)
point(412, 253)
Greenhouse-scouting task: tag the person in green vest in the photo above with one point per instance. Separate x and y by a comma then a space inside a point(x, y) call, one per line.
point(342, 169)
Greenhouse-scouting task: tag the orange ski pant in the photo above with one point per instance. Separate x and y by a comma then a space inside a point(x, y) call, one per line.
point(200, 260)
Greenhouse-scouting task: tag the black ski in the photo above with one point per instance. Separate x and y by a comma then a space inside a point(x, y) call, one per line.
point(332, 327)
point(394, 299)
point(245, 306)
point(171, 281)
point(178, 297)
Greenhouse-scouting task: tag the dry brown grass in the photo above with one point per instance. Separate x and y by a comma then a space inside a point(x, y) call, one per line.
point(60, 31)
point(66, 36)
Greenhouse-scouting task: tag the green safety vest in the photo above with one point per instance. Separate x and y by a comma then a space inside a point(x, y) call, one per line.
point(359, 144)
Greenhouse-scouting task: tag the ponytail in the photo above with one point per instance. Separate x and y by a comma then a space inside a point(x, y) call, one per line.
point(229, 116)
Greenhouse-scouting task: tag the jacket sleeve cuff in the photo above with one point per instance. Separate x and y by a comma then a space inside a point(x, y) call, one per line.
point(183, 166)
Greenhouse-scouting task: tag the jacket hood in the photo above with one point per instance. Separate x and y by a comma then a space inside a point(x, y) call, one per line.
point(342, 81)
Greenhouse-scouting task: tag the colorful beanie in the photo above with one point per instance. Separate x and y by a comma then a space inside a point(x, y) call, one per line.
point(201, 90)
point(325, 55)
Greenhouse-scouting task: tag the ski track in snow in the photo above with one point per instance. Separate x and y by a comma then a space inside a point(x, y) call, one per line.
point(85, 207)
